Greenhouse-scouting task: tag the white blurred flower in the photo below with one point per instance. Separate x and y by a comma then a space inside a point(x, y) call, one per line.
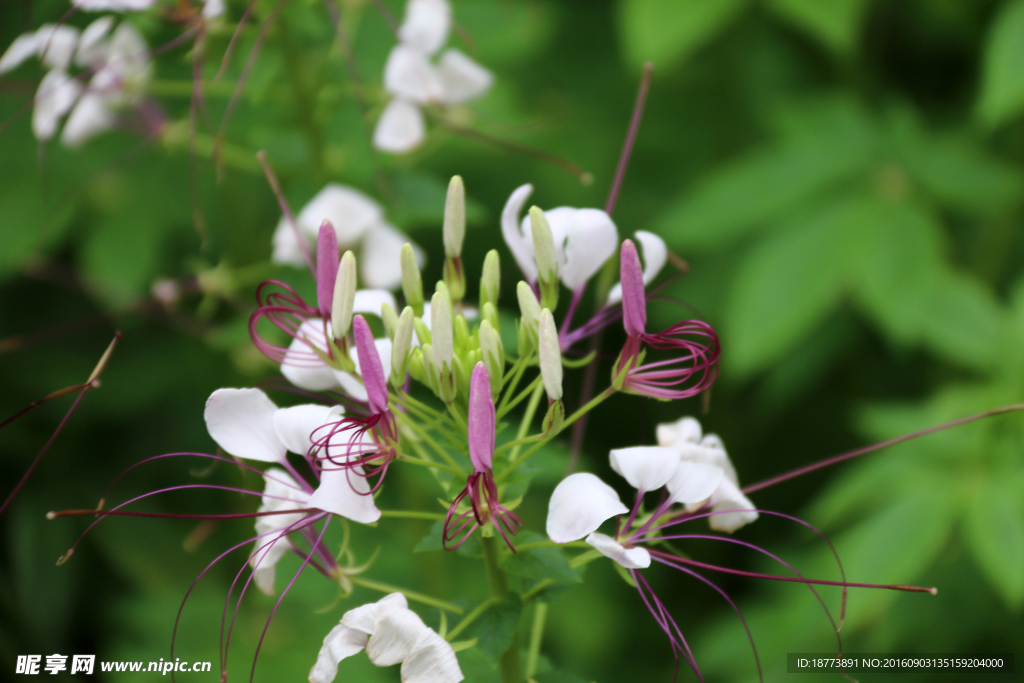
point(413, 79)
point(113, 5)
point(390, 633)
point(120, 68)
point(360, 226)
point(685, 437)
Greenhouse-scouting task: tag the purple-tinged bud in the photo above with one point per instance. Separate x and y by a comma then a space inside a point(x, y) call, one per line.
point(634, 303)
point(481, 422)
point(370, 366)
point(326, 266)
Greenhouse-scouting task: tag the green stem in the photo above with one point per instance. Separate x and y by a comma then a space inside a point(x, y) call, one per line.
point(408, 401)
point(509, 661)
point(433, 465)
point(420, 432)
point(523, 394)
point(524, 424)
point(176, 136)
point(412, 595)
point(411, 514)
point(540, 615)
point(470, 618)
point(510, 387)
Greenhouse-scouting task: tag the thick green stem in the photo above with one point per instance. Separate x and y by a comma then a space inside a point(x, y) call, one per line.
point(412, 595)
point(509, 661)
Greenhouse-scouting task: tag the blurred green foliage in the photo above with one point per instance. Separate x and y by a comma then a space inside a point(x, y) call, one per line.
point(845, 180)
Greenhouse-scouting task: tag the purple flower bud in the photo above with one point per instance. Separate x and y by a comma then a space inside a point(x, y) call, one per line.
point(326, 266)
point(369, 363)
point(481, 419)
point(634, 305)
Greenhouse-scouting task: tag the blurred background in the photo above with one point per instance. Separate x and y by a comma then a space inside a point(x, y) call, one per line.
point(844, 180)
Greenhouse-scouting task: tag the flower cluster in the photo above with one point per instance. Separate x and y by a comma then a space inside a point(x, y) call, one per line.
point(114, 61)
point(414, 81)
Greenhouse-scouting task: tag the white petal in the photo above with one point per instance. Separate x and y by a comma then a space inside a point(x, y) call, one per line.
point(350, 211)
point(301, 366)
point(340, 643)
point(91, 49)
point(630, 558)
point(654, 254)
point(281, 492)
point(592, 239)
point(346, 494)
point(56, 44)
point(729, 497)
point(56, 95)
point(395, 632)
point(432, 660)
point(646, 468)
point(683, 430)
point(521, 246)
point(241, 421)
point(709, 451)
point(409, 75)
point(372, 300)
point(353, 386)
point(113, 5)
point(379, 260)
point(462, 79)
point(24, 46)
point(213, 9)
point(364, 617)
point(92, 115)
point(296, 425)
point(128, 60)
point(426, 24)
point(694, 482)
point(400, 127)
point(286, 245)
point(579, 505)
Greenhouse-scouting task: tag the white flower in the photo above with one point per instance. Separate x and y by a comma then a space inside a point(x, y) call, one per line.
point(584, 239)
point(390, 633)
point(413, 80)
point(281, 492)
point(654, 253)
point(112, 5)
point(306, 372)
point(359, 224)
point(582, 502)
point(247, 424)
point(213, 8)
point(685, 437)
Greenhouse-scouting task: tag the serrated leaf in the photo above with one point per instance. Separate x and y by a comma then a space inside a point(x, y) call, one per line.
point(1002, 89)
point(667, 31)
point(495, 627)
point(790, 283)
point(995, 534)
point(538, 563)
point(835, 22)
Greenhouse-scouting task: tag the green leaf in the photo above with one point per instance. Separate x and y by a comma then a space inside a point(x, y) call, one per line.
point(964, 321)
point(538, 563)
point(826, 142)
point(901, 270)
point(667, 31)
point(995, 534)
point(836, 23)
point(1002, 88)
point(432, 541)
point(495, 627)
point(788, 285)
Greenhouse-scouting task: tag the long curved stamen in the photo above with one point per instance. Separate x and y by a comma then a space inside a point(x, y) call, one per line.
point(676, 638)
point(735, 608)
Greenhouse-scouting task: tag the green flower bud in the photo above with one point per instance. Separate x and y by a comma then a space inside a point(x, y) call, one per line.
point(402, 346)
point(490, 279)
point(412, 283)
point(550, 355)
point(544, 253)
point(390, 318)
point(454, 218)
point(493, 352)
point(529, 309)
point(344, 296)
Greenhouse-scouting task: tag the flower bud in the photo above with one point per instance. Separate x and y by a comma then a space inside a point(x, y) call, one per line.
point(529, 318)
point(553, 420)
point(550, 355)
point(441, 331)
point(490, 314)
point(493, 355)
point(326, 266)
point(390, 318)
point(344, 296)
point(490, 279)
point(544, 253)
point(412, 283)
point(454, 218)
point(401, 347)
